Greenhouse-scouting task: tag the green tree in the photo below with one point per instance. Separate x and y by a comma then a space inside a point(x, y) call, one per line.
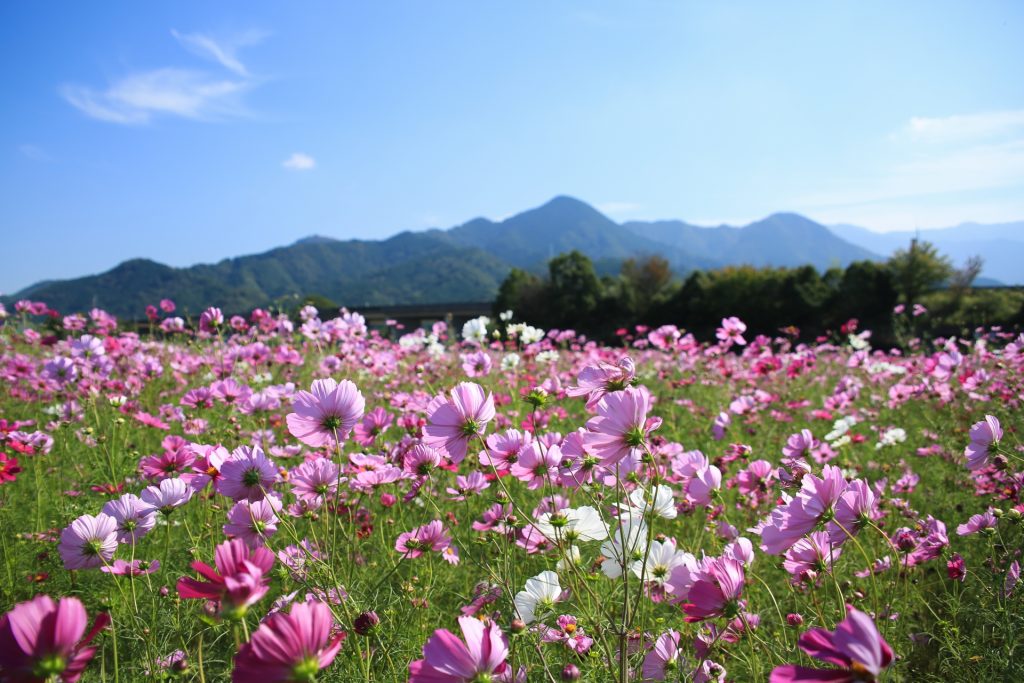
point(918, 270)
point(574, 290)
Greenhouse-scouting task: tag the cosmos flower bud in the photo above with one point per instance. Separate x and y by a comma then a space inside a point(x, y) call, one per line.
point(365, 623)
point(570, 672)
point(794, 619)
point(517, 626)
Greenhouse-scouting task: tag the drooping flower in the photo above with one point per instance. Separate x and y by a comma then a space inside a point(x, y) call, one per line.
point(41, 638)
point(447, 659)
point(9, 468)
point(292, 646)
point(133, 568)
point(977, 523)
point(856, 646)
point(453, 421)
point(240, 580)
point(89, 541)
point(326, 413)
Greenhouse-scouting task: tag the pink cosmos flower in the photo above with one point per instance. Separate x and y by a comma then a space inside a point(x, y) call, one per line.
point(477, 364)
point(451, 423)
point(253, 522)
point(977, 523)
point(170, 494)
point(856, 646)
point(432, 536)
point(206, 467)
point(798, 444)
point(810, 556)
point(373, 425)
point(956, 568)
point(467, 486)
point(133, 568)
point(704, 484)
point(815, 502)
point(89, 541)
point(314, 481)
point(247, 475)
point(291, 646)
point(538, 463)
point(240, 580)
point(983, 435)
point(594, 381)
point(326, 413)
point(715, 591)
point(663, 660)
point(731, 331)
point(621, 427)
point(40, 638)
point(503, 448)
point(447, 659)
point(134, 517)
point(211, 319)
point(1012, 578)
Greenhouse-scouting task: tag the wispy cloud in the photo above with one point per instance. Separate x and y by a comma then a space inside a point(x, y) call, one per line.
point(33, 152)
point(965, 127)
point(137, 98)
point(223, 51)
point(945, 162)
point(299, 162)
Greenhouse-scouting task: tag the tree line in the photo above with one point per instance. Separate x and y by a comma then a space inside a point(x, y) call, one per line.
point(646, 291)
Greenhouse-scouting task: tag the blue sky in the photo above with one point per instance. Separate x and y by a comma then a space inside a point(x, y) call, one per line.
point(189, 132)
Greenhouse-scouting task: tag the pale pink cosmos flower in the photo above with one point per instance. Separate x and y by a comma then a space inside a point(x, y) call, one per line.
point(89, 541)
point(291, 646)
point(704, 485)
point(170, 494)
point(447, 659)
point(253, 522)
point(810, 557)
point(452, 422)
point(40, 639)
point(663, 661)
point(374, 424)
point(326, 413)
point(856, 646)
point(621, 427)
point(133, 568)
point(314, 481)
point(977, 523)
point(731, 331)
point(537, 464)
point(477, 364)
point(247, 475)
point(594, 381)
point(432, 536)
point(211, 319)
point(134, 517)
point(983, 435)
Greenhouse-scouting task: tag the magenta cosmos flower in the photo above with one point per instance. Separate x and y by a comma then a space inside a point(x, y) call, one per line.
point(621, 426)
point(452, 422)
point(247, 475)
point(983, 435)
point(663, 660)
point(856, 646)
point(240, 580)
point(715, 591)
point(89, 541)
point(432, 536)
point(731, 331)
point(290, 646)
point(447, 659)
point(326, 413)
point(40, 639)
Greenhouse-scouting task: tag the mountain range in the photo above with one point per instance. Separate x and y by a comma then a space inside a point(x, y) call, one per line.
point(463, 263)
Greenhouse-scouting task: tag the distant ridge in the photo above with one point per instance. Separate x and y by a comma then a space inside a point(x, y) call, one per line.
point(464, 263)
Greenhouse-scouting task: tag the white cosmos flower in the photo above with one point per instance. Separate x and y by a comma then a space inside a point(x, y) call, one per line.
point(475, 330)
point(626, 545)
point(661, 503)
point(510, 361)
point(661, 560)
point(542, 591)
point(573, 525)
point(570, 559)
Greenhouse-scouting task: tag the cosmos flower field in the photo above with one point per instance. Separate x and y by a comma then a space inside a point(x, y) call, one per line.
point(265, 499)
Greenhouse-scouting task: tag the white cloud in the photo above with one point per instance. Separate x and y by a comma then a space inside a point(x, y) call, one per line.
point(223, 51)
point(137, 98)
point(936, 167)
point(34, 153)
point(965, 127)
point(299, 162)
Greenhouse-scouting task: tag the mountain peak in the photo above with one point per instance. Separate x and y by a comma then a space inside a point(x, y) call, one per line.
point(315, 239)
